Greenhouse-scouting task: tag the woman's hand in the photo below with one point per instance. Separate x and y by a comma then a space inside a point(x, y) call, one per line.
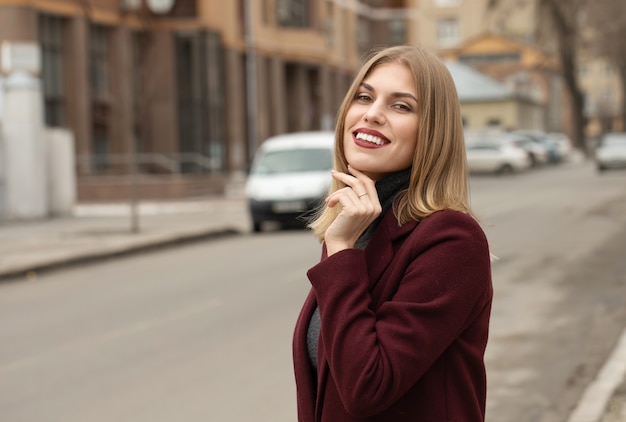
point(359, 208)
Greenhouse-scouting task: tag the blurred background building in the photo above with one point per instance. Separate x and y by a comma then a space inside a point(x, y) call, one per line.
point(182, 92)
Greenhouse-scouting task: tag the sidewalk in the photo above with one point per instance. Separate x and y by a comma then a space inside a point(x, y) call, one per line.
point(100, 231)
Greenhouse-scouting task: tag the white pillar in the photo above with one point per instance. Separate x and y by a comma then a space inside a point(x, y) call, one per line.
point(24, 148)
point(2, 154)
point(61, 171)
point(1, 99)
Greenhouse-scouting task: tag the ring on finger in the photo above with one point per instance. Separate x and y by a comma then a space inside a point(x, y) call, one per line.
point(362, 194)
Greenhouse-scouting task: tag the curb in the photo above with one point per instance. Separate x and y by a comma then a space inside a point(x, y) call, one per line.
point(595, 399)
point(31, 270)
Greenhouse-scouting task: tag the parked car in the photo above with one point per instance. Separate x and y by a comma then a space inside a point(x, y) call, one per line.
point(290, 176)
point(611, 152)
point(563, 143)
point(541, 141)
point(495, 154)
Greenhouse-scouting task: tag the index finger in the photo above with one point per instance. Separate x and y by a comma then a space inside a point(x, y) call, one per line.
point(368, 183)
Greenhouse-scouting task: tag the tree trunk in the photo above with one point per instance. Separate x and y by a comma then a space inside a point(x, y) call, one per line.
point(577, 99)
point(566, 31)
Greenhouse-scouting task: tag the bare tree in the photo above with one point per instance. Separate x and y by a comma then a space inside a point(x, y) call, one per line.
point(608, 21)
point(559, 24)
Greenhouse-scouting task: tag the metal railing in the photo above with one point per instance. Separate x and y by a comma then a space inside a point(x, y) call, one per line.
point(136, 166)
point(180, 163)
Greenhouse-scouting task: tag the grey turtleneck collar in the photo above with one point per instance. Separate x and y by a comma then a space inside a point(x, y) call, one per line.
point(387, 188)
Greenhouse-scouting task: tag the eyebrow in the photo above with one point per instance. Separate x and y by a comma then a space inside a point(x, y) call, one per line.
point(393, 94)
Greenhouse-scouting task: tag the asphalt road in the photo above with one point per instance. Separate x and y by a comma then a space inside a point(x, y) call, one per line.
point(203, 332)
point(560, 286)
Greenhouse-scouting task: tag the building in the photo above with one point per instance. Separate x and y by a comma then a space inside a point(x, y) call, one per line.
point(529, 75)
point(445, 24)
point(182, 92)
point(454, 25)
point(170, 98)
point(489, 104)
point(603, 103)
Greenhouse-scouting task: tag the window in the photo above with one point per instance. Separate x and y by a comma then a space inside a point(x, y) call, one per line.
point(99, 85)
point(330, 24)
point(200, 81)
point(480, 59)
point(363, 34)
point(608, 96)
point(51, 41)
point(447, 32)
point(139, 46)
point(192, 106)
point(99, 62)
point(265, 12)
point(397, 31)
point(590, 107)
point(301, 160)
point(494, 122)
point(184, 9)
point(293, 13)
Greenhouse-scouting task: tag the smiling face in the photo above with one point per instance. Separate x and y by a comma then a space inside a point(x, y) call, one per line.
point(381, 123)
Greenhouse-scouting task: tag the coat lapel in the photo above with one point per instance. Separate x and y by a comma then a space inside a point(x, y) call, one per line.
point(304, 375)
point(383, 245)
point(379, 254)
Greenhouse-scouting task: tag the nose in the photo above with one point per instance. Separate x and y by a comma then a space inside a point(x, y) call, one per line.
point(375, 113)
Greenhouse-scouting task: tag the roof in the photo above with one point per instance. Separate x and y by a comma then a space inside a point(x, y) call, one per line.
point(487, 43)
point(472, 85)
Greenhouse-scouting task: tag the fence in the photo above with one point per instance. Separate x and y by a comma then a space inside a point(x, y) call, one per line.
point(147, 163)
point(118, 177)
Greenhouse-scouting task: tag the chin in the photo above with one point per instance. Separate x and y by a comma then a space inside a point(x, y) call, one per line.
point(374, 175)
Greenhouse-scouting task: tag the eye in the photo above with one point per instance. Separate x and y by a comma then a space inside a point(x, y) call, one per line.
point(363, 97)
point(402, 107)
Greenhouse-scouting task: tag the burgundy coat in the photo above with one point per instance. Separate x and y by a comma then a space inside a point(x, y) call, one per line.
point(404, 326)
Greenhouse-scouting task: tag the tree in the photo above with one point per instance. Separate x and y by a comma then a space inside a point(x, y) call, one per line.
point(608, 21)
point(559, 21)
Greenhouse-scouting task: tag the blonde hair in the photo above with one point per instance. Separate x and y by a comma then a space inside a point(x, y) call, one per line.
point(439, 177)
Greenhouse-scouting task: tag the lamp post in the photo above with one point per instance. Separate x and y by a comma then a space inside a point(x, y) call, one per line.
point(251, 81)
point(157, 7)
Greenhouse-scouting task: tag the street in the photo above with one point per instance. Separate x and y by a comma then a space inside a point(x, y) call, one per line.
point(560, 286)
point(202, 332)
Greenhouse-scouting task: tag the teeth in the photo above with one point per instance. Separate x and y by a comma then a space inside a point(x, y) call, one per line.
point(369, 138)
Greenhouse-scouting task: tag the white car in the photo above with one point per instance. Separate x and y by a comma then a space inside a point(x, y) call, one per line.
point(563, 143)
point(537, 152)
point(611, 153)
point(290, 176)
point(499, 156)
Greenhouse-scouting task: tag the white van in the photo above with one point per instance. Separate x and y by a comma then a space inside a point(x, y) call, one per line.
point(290, 176)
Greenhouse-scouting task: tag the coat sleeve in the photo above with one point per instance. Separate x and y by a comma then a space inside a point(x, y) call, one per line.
point(376, 356)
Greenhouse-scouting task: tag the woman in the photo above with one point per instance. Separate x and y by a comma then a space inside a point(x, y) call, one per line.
point(395, 326)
